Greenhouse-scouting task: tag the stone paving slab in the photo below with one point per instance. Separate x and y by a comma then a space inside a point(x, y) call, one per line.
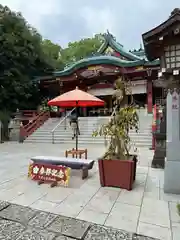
point(105, 233)
point(35, 234)
point(48, 226)
point(3, 205)
point(69, 227)
point(18, 213)
point(140, 237)
point(42, 220)
point(153, 230)
point(10, 230)
point(63, 238)
point(176, 231)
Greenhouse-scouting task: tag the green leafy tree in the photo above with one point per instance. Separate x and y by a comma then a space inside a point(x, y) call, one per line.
point(21, 59)
point(81, 49)
point(53, 53)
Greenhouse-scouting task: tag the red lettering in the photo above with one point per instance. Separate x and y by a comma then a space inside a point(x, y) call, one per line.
point(48, 173)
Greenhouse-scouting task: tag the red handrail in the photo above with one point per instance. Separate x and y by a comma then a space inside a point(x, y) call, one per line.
point(34, 124)
point(29, 112)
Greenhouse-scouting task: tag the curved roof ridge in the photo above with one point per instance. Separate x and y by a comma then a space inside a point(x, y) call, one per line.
point(111, 41)
point(125, 52)
point(98, 60)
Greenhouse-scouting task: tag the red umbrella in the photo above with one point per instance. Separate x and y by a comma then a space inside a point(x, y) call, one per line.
point(76, 98)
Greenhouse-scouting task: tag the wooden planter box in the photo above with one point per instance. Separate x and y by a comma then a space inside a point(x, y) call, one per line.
point(118, 173)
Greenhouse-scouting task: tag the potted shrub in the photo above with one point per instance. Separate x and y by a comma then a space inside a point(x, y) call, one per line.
point(178, 208)
point(117, 168)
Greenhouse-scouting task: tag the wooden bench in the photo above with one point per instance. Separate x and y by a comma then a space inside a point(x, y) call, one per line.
point(78, 164)
point(76, 153)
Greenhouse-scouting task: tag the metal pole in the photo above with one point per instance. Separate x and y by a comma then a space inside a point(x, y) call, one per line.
point(65, 119)
point(77, 128)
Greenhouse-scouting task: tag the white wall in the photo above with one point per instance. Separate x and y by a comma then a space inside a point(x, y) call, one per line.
point(138, 87)
point(101, 92)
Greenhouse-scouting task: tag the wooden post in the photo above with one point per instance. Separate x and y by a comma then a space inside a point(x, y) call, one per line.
point(149, 96)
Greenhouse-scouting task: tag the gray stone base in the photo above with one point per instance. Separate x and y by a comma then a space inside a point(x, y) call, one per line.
point(159, 158)
point(14, 134)
point(172, 177)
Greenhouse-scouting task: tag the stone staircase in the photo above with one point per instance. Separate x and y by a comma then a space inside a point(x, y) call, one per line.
point(144, 137)
point(63, 133)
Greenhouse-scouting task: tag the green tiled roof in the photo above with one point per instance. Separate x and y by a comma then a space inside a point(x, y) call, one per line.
point(139, 53)
point(110, 41)
point(152, 63)
point(99, 60)
point(135, 58)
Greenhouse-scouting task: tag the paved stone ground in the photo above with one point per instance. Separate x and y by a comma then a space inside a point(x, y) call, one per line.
point(145, 210)
point(23, 223)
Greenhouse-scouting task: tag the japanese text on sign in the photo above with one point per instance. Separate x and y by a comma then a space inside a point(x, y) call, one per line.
point(49, 173)
point(175, 101)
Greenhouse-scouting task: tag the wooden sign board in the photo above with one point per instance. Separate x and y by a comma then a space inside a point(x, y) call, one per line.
point(47, 173)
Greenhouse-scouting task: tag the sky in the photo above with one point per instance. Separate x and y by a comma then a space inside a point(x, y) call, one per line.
point(64, 21)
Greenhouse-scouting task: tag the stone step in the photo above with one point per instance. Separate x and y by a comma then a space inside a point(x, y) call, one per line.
point(142, 120)
point(85, 138)
point(72, 142)
point(89, 136)
point(84, 126)
point(87, 126)
point(88, 132)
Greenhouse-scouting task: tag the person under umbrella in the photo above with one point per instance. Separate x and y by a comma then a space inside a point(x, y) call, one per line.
point(76, 98)
point(74, 125)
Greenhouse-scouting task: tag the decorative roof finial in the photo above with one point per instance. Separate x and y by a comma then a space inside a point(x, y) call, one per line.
point(108, 35)
point(175, 11)
point(140, 48)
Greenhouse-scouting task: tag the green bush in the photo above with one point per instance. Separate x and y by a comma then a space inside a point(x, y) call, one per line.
point(45, 107)
point(178, 208)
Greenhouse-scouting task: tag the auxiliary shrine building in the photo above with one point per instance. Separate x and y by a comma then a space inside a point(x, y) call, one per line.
point(97, 75)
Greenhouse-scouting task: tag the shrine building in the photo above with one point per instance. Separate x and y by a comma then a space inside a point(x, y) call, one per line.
point(97, 75)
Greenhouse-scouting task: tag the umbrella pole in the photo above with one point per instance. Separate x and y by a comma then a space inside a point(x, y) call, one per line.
point(65, 118)
point(77, 127)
